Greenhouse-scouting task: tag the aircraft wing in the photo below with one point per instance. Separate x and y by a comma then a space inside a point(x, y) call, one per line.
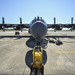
point(14, 26)
point(61, 26)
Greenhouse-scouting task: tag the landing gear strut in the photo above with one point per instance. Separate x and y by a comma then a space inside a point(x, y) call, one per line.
point(37, 68)
point(37, 71)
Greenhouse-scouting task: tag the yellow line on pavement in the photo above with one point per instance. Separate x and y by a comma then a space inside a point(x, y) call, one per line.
point(64, 51)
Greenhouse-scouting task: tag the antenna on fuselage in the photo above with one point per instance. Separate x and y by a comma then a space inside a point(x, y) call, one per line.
point(41, 18)
point(37, 17)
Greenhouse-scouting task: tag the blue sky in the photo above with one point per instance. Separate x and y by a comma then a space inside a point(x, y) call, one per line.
point(63, 10)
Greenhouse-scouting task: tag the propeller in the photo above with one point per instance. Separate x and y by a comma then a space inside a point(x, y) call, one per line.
point(71, 24)
point(54, 24)
point(3, 20)
point(20, 20)
point(3, 24)
point(21, 24)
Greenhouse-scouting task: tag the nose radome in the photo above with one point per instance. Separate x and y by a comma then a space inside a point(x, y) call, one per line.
point(39, 30)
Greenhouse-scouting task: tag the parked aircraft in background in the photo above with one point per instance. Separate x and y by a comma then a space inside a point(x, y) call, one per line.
point(38, 27)
point(49, 26)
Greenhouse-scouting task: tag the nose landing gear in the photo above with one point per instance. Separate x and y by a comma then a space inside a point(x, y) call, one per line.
point(37, 67)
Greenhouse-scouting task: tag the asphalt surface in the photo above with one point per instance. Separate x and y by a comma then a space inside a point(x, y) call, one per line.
point(63, 33)
point(15, 56)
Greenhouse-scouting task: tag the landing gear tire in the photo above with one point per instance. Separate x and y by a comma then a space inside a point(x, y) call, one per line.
point(31, 67)
point(58, 42)
point(17, 33)
point(51, 41)
point(42, 69)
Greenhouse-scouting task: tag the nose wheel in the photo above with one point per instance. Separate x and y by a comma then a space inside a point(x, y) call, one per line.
point(37, 71)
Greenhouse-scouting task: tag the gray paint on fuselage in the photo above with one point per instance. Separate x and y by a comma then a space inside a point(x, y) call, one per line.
point(38, 29)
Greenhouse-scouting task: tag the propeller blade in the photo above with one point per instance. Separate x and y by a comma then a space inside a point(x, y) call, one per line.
point(54, 24)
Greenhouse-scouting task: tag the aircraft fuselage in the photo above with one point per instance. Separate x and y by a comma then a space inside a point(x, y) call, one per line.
point(38, 28)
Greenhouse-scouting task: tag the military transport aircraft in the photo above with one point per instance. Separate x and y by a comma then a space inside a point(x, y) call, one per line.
point(38, 27)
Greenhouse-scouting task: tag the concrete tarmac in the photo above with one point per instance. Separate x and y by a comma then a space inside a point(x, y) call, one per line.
point(60, 60)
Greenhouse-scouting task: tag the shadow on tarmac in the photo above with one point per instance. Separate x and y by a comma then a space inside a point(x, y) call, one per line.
point(31, 42)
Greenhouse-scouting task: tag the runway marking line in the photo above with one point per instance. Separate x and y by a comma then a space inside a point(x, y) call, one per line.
point(64, 51)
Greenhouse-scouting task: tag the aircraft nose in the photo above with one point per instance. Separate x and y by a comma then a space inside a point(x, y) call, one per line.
point(38, 30)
